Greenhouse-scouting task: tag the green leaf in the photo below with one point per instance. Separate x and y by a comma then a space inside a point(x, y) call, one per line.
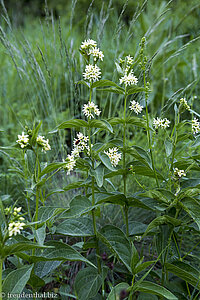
point(115, 198)
point(117, 242)
point(40, 234)
point(185, 271)
point(99, 174)
point(51, 167)
point(48, 212)
point(140, 154)
point(161, 195)
point(136, 121)
point(161, 220)
point(84, 83)
point(17, 247)
point(78, 206)
point(135, 89)
point(75, 123)
point(116, 121)
point(104, 82)
point(140, 169)
point(153, 288)
point(74, 185)
point(103, 124)
point(106, 161)
point(87, 283)
point(76, 227)
point(56, 251)
point(43, 268)
point(192, 207)
point(142, 266)
point(16, 280)
point(112, 90)
point(116, 290)
point(136, 228)
point(134, 258)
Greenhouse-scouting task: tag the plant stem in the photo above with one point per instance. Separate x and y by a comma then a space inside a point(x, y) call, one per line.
point(93, 198)
point(148, 131)
point(1, 269)
point(124, 163)
point(175, 142)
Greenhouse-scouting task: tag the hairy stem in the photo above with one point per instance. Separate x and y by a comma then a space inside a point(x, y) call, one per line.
point(148, 131)
point(124, 164)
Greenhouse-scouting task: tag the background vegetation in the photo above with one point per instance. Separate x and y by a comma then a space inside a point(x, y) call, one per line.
point(40, 65)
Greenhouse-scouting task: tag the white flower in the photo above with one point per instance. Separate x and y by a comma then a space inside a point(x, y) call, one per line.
point(96, 53)
point(92, 73)
point(44, 143)
point(195, 126)
point(80, 144)
point(129, 59)
point(136, 107)
point(184, 103)
point(23, 140)
point(88, 44)
point(15, 227)
point(163, 123)
point(179, 173)
point(113, 155)
point(71, 163)
point(90, 108)
point(129, 79)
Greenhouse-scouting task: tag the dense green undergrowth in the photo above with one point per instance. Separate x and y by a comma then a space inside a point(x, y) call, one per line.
point(109, 202)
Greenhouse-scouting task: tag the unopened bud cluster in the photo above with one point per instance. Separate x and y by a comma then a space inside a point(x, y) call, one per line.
point(15, 224)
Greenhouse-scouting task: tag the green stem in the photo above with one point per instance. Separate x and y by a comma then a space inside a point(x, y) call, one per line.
point(148, 131)
point(175, 142)
point(93, 199)
point(124, 164)
point(1, 269)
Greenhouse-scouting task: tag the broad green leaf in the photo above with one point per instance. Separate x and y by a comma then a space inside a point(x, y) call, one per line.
point(168, 147)
point(104, 82)
point(56, 251)
point(78, 206)
point(153, 288)
point(134, 258)
point(116, 173)
point(135, 89)
point(17, 247)
point(51, 167)
point(136, 121)
point(116, 290)
point(147, 203)
point(160, 195)
point(87, 283)
point(16, 280)
point(74, 185)
point(140, 169)
point(192, 207)
point(99, 174)
point(103, 124)
point(142, 266)
point(106, 161)
point(75, 123)
point(140, 154)
point(161, 220)
point(43, 268)
point(40, 234)
point(116, 121)
point(76, 227)
point(112, 90)
point(118, 243)
point(36, 282)
point(185, 271)
point(48, 212)
point(136, 228)
point(115, 198)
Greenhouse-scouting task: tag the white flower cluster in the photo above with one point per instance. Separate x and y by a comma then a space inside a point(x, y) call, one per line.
point(184, 103)
point(90, 48)
point(89, 109)
point(92, 73)
point(195, 126)
point(163, 123)
point(113, 155)
point(179, 173)
point(43, 143)
point(15, 227)
point(96, 53)
point(128, 78)
point(23, 140)
point(87, 44)
point(16, 223)
point(136, 107)
point(80, 144)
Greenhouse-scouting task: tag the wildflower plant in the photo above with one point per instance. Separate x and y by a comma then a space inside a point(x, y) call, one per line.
point(172, 196)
